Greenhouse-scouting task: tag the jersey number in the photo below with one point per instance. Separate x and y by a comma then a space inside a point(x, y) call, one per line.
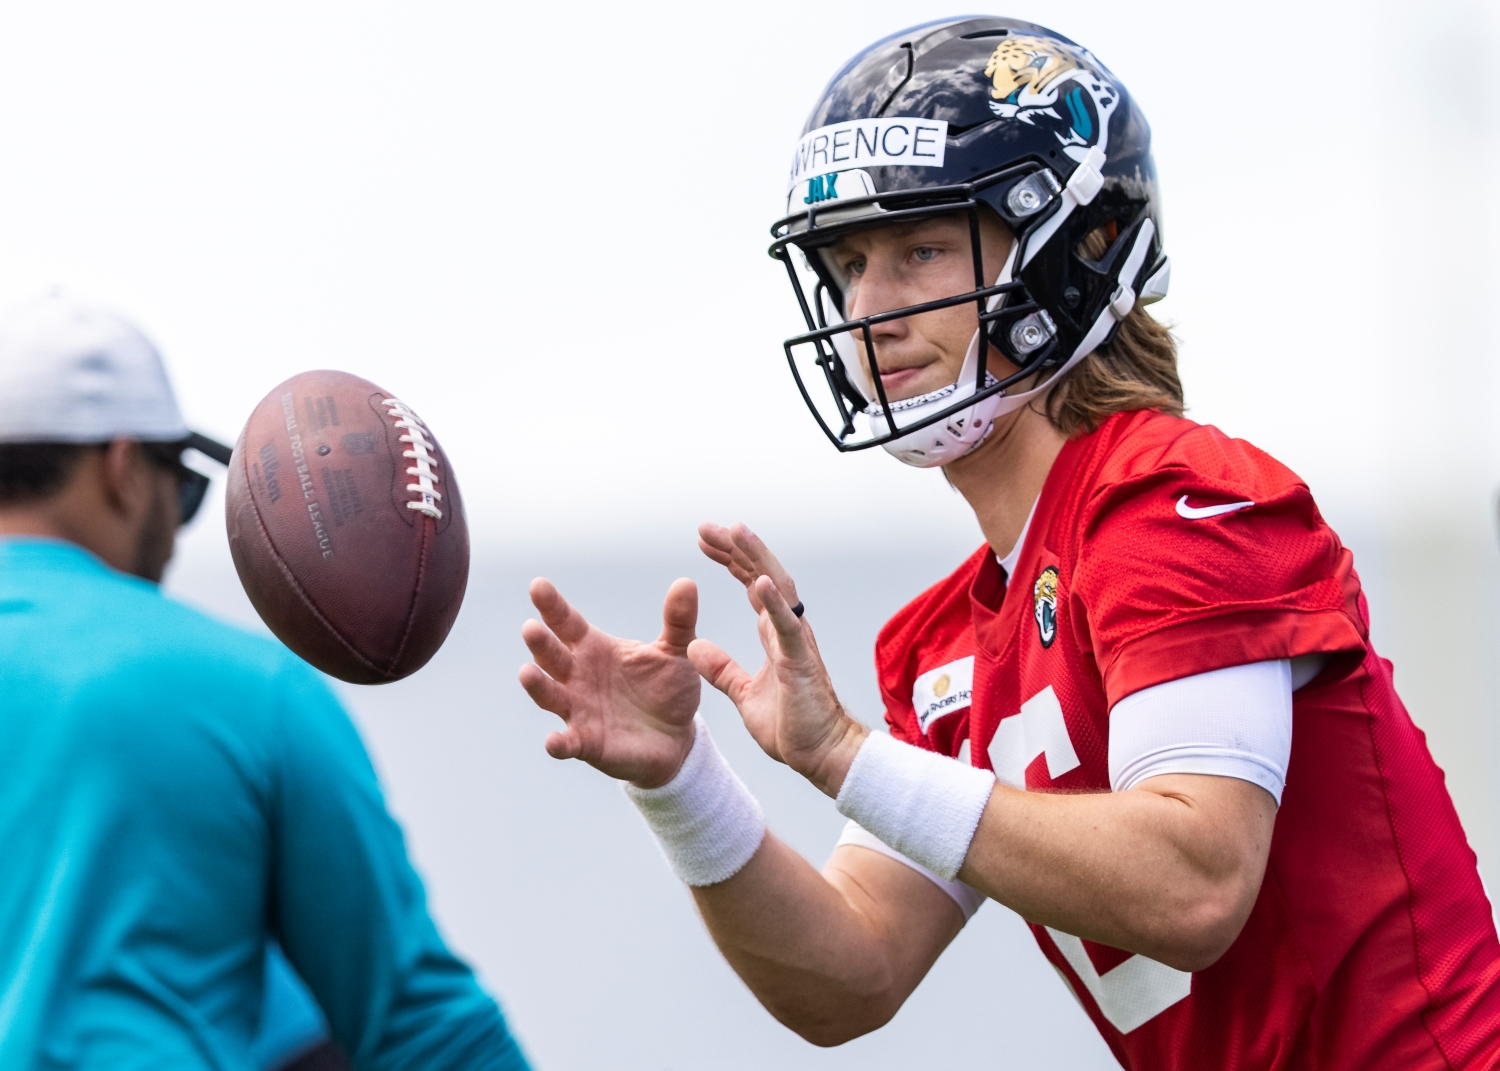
point(1139, 989)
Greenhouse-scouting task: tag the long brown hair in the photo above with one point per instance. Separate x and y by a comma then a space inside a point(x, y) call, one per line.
point(1137, 369)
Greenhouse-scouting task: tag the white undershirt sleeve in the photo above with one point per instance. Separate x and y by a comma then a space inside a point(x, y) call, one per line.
point(1234, 722)
point(966, 897)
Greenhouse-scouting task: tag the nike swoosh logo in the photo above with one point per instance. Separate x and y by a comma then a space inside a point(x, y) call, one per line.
point(1197, 513)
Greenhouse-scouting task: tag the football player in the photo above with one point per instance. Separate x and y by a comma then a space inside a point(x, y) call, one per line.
point(1146, 714)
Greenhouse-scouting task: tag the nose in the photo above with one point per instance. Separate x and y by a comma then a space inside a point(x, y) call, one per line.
point(877, 290)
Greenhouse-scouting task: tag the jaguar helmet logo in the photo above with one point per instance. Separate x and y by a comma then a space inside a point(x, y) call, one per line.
point(1032, 78)
point(1044, 605)
point(1029, 64)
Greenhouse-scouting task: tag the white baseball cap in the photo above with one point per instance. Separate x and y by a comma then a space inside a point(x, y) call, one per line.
point(73, 371)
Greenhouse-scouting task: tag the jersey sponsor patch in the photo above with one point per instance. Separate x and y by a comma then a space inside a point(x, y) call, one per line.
point(897, 140)
point(941, 691)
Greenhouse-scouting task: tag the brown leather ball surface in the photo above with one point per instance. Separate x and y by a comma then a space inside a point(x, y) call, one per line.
point(324, 531)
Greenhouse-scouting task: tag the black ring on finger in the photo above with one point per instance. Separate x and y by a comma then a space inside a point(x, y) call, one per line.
point(797, 610)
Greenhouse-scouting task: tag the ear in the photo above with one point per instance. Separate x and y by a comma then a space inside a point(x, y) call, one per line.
point(127, 483)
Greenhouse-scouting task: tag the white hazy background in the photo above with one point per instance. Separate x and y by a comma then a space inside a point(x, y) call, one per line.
point(545, 228)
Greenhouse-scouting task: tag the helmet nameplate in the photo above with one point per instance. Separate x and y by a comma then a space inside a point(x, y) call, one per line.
point(898, 141)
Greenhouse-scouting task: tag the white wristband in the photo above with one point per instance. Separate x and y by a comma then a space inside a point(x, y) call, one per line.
point(924, 805)
point(706, 821)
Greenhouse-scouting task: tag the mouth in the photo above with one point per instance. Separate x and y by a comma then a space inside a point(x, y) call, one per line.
point(902, 382)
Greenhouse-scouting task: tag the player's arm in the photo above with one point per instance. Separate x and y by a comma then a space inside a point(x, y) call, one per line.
point(1211, 833)
point(1169, 869)
point(832, 955)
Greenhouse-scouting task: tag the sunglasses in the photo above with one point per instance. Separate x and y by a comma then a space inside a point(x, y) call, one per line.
point(192, 485)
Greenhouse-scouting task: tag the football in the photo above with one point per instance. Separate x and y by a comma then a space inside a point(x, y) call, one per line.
point(346, 527)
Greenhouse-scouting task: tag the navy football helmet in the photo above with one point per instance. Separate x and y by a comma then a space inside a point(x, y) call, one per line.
point(960, 116)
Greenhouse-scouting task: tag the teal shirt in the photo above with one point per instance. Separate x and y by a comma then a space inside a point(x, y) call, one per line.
point(291, 1023)
point(172, 792)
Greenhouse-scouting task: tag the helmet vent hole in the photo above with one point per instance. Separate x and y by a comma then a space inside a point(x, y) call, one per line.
point(899, 75)
point(985, 33)
point(1097, 242)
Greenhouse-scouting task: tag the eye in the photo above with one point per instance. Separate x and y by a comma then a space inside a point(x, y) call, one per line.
point(924, 252)
point(855, 266)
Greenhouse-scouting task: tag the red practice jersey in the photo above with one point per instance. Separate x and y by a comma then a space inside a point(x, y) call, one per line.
point(1161, 549)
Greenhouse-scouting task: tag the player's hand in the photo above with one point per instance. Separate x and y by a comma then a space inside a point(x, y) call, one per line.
point(789, 705)
point(628, 705)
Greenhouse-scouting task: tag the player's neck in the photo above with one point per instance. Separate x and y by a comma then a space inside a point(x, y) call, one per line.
point(1002, 478)
point(79, 513)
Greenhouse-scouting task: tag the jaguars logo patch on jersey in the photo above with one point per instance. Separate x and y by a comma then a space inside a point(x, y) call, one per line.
point(1044, 605)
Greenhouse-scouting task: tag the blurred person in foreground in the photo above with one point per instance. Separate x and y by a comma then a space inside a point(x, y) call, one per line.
point(180, 802)
point(1146, 714)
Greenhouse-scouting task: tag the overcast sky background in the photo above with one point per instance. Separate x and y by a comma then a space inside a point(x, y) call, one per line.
point(544, 228)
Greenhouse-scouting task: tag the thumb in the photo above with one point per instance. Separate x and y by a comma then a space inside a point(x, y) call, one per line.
point(715, 666)
point(679, 614)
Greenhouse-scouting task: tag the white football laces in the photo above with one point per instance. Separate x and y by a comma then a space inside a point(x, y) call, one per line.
point(424, 461)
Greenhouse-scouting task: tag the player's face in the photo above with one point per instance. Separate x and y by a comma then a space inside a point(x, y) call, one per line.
point(907, 264)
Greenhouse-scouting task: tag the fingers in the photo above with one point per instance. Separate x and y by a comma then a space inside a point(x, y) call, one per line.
point(549, 651)
point(679, 614)
point(746, 557)
point(788, 625)
point(715, 666)
point(569, 625)
point(759, 555)
point(552, 696)
point(564, 744)
point(545, 692)
point(554, 662)
point(718, 545)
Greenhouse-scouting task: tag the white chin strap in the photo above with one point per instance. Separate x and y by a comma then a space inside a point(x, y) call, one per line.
point(950, 439)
